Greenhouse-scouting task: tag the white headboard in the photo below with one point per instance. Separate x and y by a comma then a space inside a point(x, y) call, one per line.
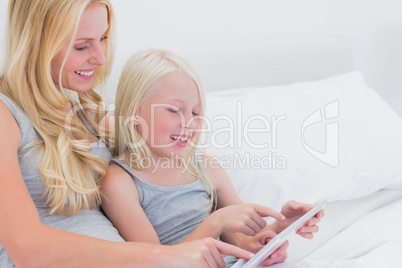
point(274, 61)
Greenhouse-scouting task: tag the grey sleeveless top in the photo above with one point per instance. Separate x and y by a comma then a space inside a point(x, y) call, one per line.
point(86, 222)
point(174, 211)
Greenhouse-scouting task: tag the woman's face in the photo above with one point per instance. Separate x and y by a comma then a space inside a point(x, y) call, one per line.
point(87, 53)
point(171, 115)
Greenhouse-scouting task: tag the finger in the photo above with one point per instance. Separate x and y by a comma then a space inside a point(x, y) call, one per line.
point(293, 205)
point(200, 258)
point(309, 229)
point(265, 236)
point(269, 235)
point(281, 259)
point(253, 226)
point(257, 218)
point(280, 251)
point(214, 258)
point(244, 228)
point(313, 221)
point(306, 235)
point(270, 261)
point(265, 212)
point(228, 249)
point(320, 214)
point(275, 259)
point(277, 255)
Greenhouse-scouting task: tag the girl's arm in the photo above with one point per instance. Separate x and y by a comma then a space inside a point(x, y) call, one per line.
point(227, 196)
point(121, 203)
point(232, 215)
point(29, 243)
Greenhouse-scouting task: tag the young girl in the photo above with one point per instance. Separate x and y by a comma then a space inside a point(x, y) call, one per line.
point(160, 190)
point(52, 158)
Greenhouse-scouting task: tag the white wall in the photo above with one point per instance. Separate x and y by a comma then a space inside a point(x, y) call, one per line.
point(374, 28)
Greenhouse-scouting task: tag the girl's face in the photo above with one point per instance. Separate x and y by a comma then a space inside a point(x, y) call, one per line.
point(171, 115)
point(87, 53)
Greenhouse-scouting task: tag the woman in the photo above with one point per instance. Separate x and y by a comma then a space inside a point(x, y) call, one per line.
point(53, 151)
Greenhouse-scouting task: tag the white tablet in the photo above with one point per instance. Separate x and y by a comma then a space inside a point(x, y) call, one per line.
point(278, 240)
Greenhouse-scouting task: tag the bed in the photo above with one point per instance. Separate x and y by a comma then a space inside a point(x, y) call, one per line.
point(290, 118)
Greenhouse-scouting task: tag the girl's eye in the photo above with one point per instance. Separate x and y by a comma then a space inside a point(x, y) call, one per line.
point(173, 111)
point(195, 114)
point(103, 38)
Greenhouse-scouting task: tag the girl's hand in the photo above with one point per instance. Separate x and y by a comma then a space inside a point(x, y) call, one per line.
point(245, 218)
point(294, 210)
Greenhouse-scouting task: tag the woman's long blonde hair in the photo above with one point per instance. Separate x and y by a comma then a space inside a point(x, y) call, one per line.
point(136, 83)
point(38, 30)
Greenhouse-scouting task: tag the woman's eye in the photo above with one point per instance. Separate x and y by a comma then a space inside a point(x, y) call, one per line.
point(196, 114)
point(103, 38)
point(81, 48)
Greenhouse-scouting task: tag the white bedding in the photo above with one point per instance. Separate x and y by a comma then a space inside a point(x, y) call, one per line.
point(373, 241)
point(339, 216)
point(361, 227)
point(363, 230)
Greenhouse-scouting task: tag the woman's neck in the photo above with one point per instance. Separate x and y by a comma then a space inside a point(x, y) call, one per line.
point(67, 108)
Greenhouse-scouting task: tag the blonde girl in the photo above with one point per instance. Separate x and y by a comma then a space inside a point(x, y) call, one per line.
point(52, 145)
point(158, 188)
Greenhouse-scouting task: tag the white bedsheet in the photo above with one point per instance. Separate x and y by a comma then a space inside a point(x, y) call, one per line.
point(373, 241)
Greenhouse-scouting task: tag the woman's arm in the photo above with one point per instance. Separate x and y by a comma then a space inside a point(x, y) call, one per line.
point(29, 243)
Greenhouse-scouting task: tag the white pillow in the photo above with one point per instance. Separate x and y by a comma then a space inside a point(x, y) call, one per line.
point(354, 149)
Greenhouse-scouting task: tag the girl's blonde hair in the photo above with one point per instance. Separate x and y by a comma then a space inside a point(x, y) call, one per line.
point(137, 82)
point(38, 30)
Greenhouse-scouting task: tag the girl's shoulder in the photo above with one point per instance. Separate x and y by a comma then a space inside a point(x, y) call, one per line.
point(117, 179)
point(115, 170)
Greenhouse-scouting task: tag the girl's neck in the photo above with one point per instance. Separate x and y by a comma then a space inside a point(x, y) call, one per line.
point(164, 172)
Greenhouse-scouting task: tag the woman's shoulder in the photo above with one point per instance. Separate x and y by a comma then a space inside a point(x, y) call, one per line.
point(9, 129)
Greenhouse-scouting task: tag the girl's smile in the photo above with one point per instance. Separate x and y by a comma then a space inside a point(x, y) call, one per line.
point(171, 115)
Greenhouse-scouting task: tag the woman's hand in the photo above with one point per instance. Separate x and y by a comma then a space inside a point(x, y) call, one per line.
point(201, 253)
point(245, 218)
point(293, 211)
point(258, 241)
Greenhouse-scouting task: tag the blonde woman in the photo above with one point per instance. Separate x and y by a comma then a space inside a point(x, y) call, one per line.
point(52, 146)
point(158, 188)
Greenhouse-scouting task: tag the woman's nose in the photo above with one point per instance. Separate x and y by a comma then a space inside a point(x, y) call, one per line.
point(98, 56)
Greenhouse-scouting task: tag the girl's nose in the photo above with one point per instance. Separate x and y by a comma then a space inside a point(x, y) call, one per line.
point(188, 122)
